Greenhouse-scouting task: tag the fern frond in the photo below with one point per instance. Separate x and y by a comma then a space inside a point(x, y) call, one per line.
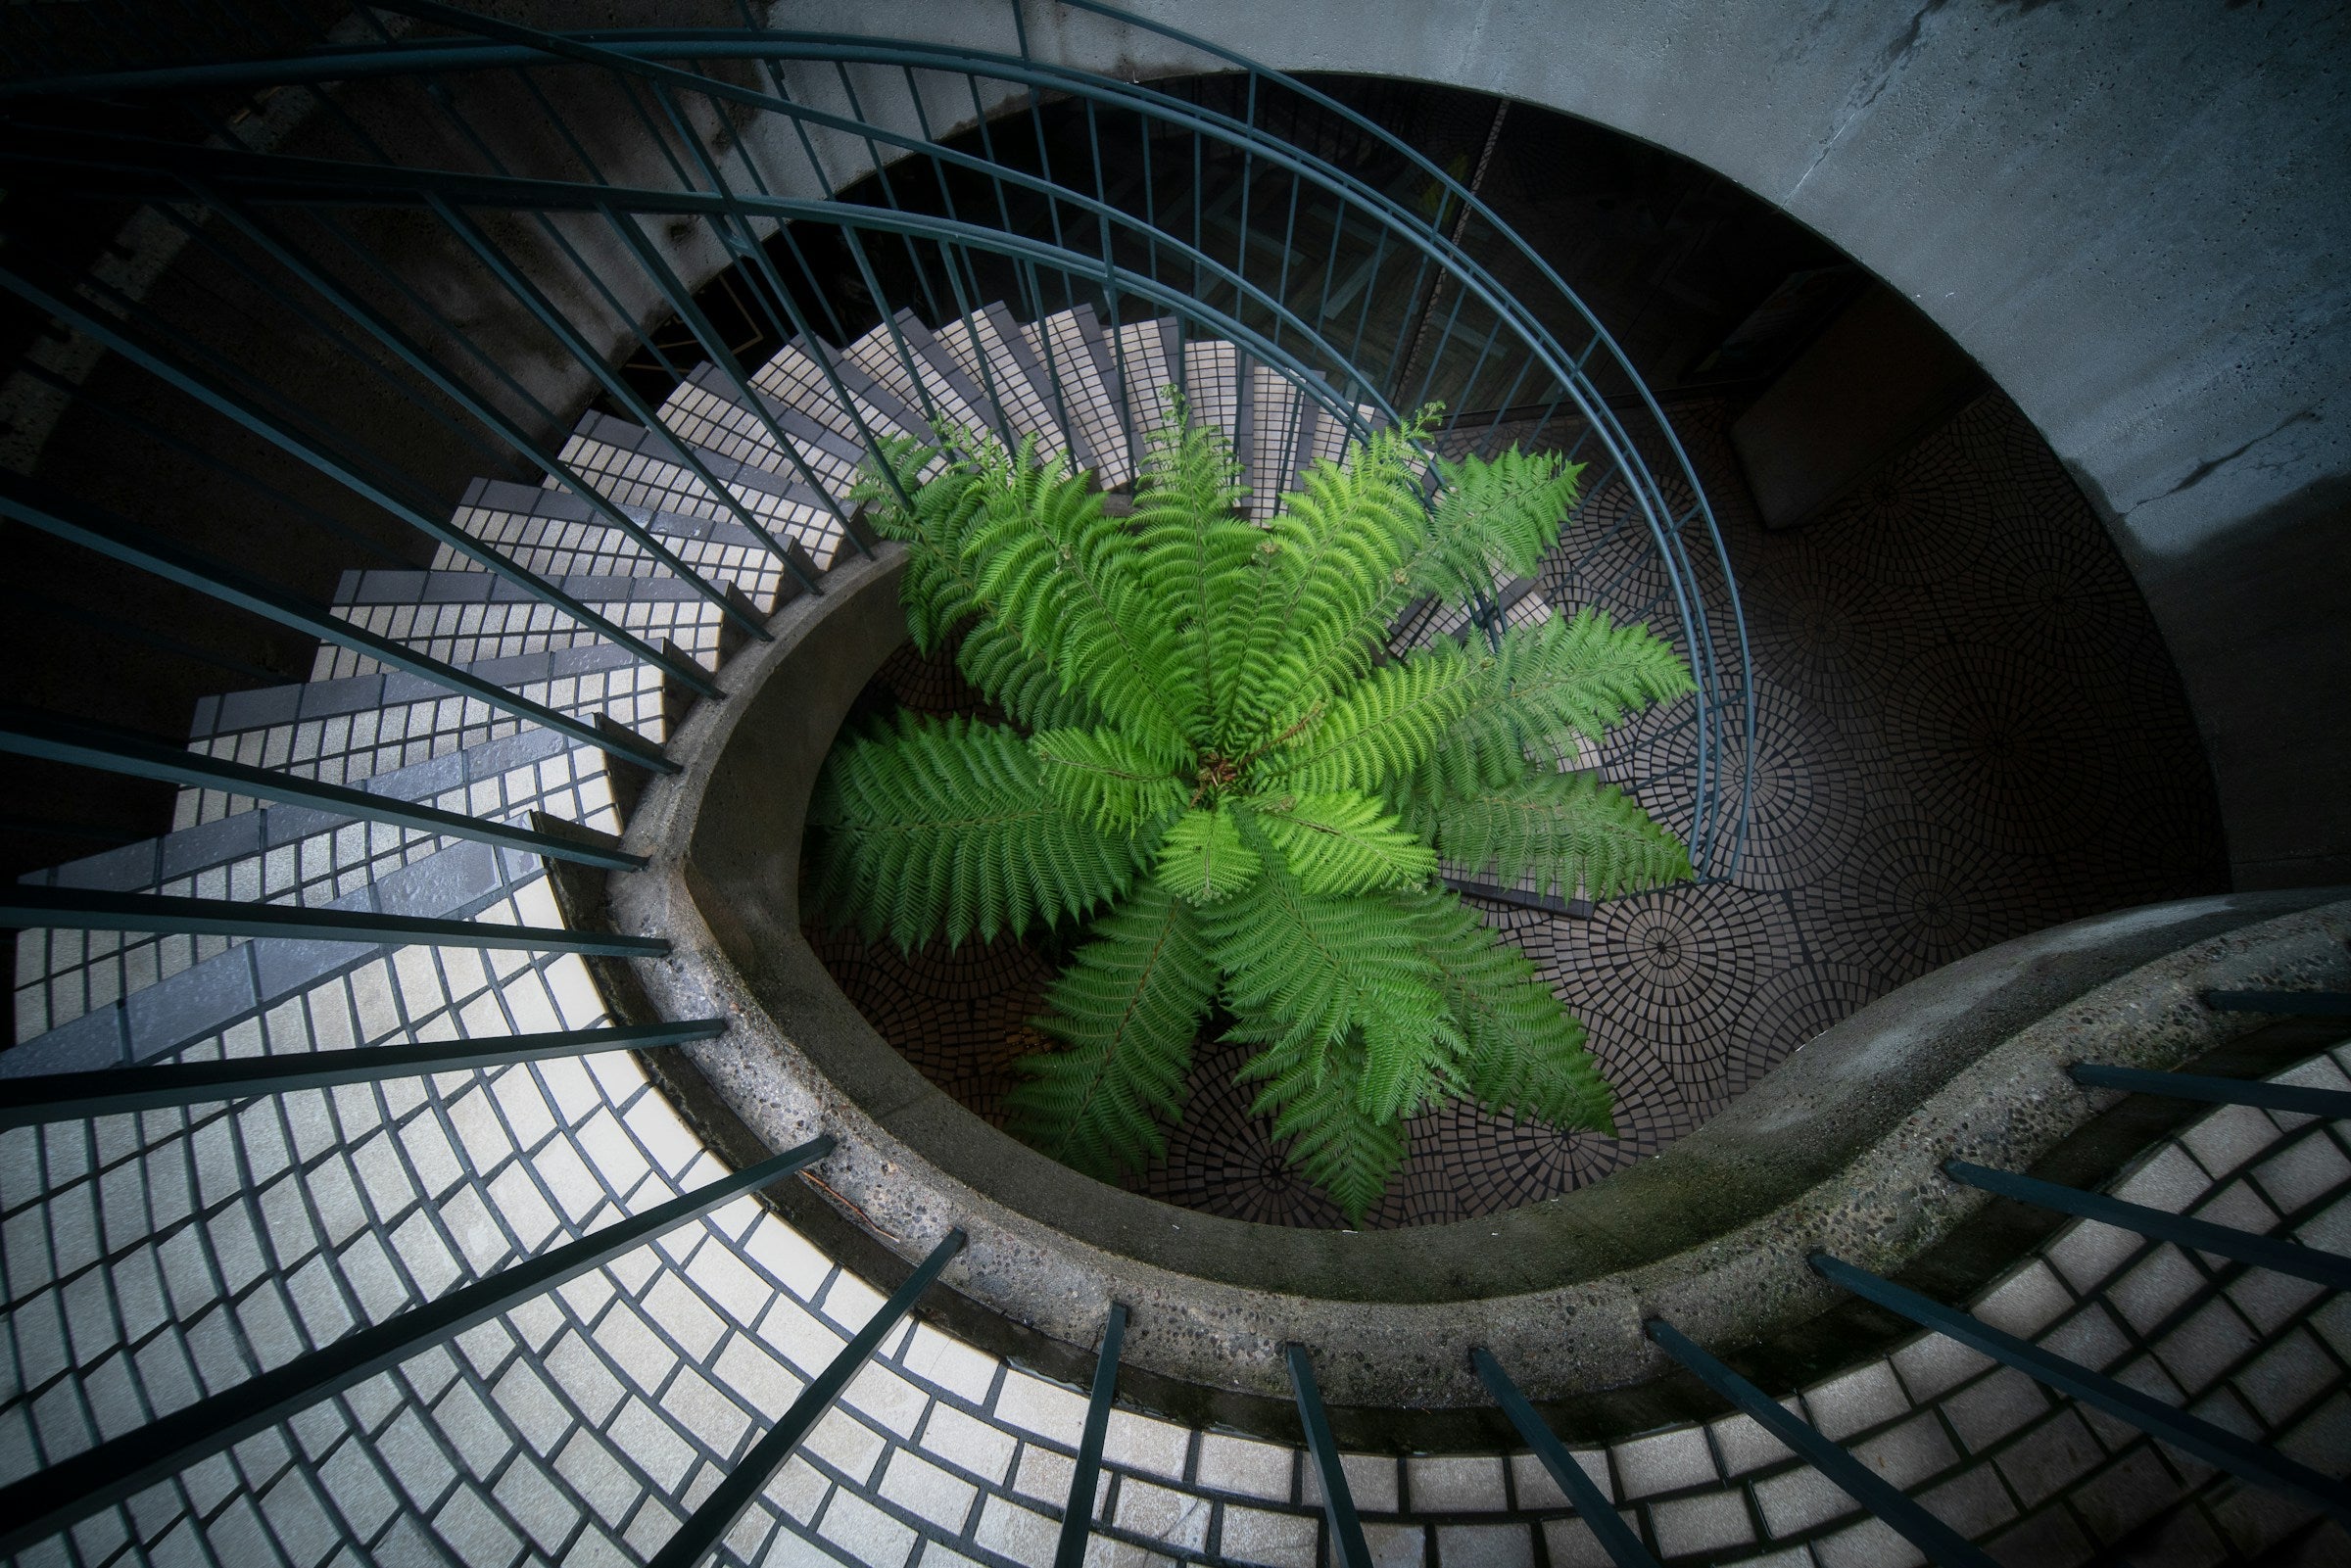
point(938, 590)
point(1384, 726)
point(1203, 858)
point(1343, 842)
point(1340, 540)
point(1552, 683)
point(1526, 1055)
point(1018, 682)
point(1497, 518)
point(1061, 576)
point(943, 827)
point(1126, 1012)
point(1195, 554)
point(1105, 778)
point(1303, 970)
point(1564, 825)
point(1342, 1148)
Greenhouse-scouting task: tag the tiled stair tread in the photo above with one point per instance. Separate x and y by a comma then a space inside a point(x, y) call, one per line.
point(958, 397)
point(1145, 351)
point(658, 446)
point(1015, 395)
point(265, 706)
point(287, 852)
point(154, 862)
point(377, 587)
point(456, 883)
point(785, 508)
point(469, 634)
point(507, 500)
point(1092, 396)
point(814, 434)
point(793, 375)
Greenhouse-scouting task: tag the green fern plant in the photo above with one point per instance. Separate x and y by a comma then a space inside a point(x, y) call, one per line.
point(1212, 759)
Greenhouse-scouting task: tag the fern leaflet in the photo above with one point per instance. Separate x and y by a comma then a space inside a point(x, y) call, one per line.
point(1526, 1055)
point(1105, 778)
point(1125, 1013)
point(1061, 574)
point(1194, 555)
point(1303, 970)
point(1203, 858)
point(1343, 1149)
point(1552, 683)
point(1570, 827)
point(943, 828)
point(1344, 843)
point(1387, 725)
point(1498, 518)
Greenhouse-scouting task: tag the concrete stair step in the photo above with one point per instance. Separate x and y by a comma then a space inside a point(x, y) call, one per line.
point(285, 852)
point(707, 410)
point(925, 377)
point(633, 466)
point(1015, 393)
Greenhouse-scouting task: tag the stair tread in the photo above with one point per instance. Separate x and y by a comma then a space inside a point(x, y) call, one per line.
point(456, 881)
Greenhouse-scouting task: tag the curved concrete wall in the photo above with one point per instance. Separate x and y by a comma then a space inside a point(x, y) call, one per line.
point(2133, 221)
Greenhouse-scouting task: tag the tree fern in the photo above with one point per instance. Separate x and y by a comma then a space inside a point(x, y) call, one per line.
point(1208, 747)
point(1023, 686)
point(1498, 518)
point(942, 826)
point(1568, 826)
point(1525, 1054)
point(1125, 1013)
point(941, 594)
point(1553, 683)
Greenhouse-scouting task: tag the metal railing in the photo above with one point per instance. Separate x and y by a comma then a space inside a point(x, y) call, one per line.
point(1419, 314)
point(1129, 201)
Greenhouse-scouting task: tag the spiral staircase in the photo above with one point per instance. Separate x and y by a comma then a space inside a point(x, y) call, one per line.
point(344, 1220)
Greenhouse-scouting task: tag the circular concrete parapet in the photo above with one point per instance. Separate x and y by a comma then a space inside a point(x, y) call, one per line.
point(1839, 1148)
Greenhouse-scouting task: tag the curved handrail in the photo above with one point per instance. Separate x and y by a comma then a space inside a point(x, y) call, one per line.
point(643, 53)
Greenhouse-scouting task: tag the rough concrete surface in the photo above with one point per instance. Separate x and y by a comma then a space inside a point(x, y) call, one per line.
point(1839, 1149)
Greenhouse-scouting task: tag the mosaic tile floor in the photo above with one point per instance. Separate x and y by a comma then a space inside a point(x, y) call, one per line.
point(1966, 728)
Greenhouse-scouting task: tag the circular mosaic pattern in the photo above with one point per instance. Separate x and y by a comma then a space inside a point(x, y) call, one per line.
point(1995, 744)
point(1787, 1010)
point(1967, 729)
point(1925, 517)
point(1806, 804)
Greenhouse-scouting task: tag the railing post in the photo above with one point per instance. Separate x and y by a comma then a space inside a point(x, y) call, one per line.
point(2215, 1446)
point(1077, 1519)
point(1347, 1546)
point(719, 1511)
point(111, 1091)
point(1614, 1535)
point(1940, 1542)
point(2331, 1269)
